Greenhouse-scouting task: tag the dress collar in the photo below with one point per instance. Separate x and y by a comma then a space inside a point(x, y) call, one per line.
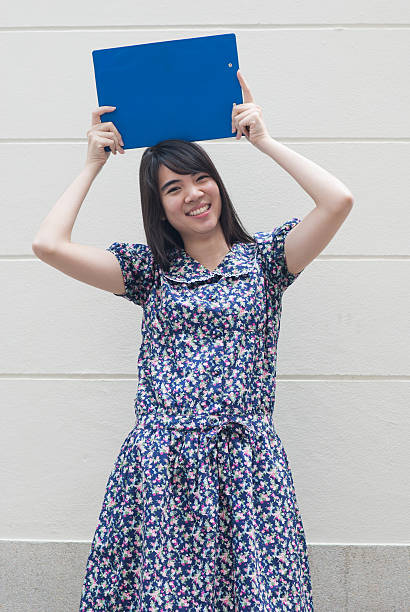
point(184, 268)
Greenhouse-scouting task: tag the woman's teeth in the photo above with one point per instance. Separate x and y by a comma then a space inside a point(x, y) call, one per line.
point(199, 211)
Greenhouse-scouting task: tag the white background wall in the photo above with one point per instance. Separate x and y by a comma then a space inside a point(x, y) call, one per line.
point(332, 80)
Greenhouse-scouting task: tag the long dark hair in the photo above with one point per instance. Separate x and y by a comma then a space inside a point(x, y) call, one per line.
point(182, 157)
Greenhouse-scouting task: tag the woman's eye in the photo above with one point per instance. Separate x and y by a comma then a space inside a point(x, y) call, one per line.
point(199, 179)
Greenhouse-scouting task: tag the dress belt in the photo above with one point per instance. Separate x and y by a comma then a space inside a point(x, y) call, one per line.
point(189, 460)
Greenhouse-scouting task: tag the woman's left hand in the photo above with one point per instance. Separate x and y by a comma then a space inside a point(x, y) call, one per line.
point(247, 117)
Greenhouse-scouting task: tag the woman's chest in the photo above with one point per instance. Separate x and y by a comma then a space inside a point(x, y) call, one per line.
point(222, 303)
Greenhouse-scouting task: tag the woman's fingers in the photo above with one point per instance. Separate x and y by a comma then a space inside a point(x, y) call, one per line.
point(107, 125)
point(247, 95)
point(107, 130)
point(239, 110)
point(110, 138)
point(106, 142)
point(241, 115)
point(102, 135)
point(110, 127)
point(96, 114)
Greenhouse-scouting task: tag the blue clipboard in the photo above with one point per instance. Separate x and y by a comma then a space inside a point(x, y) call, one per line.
point(171, 89)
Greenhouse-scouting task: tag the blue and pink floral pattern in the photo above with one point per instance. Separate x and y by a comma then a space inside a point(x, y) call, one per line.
point(200, 511)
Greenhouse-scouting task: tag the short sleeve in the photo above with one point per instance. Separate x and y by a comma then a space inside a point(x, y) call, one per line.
point(137, 266)
point(271, 246)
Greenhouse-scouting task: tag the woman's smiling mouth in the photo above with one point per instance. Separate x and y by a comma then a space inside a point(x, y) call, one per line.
point(199, 212)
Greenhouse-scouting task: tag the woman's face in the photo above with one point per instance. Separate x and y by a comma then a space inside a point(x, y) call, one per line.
point(186, 193)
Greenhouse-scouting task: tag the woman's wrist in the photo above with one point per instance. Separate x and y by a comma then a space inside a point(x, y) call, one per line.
point(263, 142)
point(93, 168)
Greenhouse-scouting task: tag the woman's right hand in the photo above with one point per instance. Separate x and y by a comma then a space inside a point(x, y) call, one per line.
point(100, 135)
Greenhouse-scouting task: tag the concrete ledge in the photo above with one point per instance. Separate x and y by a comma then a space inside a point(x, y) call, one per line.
point(47, 576)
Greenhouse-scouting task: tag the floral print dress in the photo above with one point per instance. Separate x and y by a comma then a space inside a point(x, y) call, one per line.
point(200, 511)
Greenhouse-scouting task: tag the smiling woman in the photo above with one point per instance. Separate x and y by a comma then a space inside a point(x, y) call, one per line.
point(193, 193)
point(178, 177)
point(203, 179)
point(200, 511)
point(204, 459)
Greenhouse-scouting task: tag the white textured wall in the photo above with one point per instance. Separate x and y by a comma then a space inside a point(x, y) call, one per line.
point(333, 85)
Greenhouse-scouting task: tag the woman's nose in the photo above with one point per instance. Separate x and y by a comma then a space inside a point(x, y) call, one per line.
point(194, 193)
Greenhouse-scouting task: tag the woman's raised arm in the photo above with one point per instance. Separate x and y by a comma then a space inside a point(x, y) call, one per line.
point(52, 243)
